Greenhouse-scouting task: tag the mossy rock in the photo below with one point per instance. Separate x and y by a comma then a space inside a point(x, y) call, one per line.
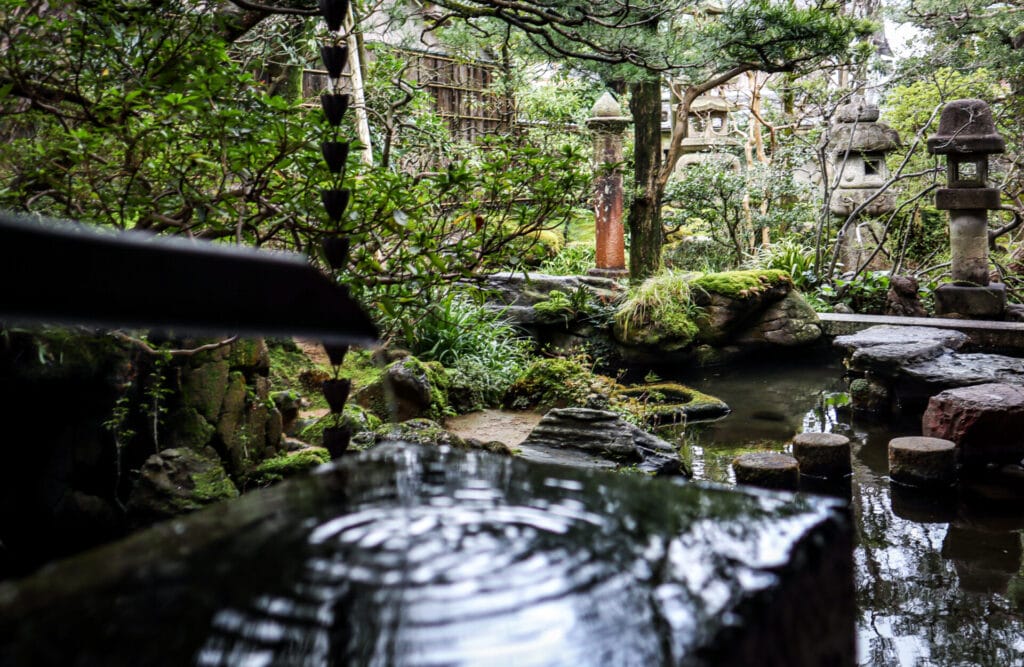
point(177, 481)
point(660, 312)
point(673, 403)
point(559, 382)
point(285, 465)
point(676, 311)
point(356, 417)
point(187, 429)
point(420, 431)
point(250, 355)
point(408, 388)
point(428, 432)
point(203, 388)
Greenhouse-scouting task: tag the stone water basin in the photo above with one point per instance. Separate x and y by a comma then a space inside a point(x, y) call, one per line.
point(409, 555)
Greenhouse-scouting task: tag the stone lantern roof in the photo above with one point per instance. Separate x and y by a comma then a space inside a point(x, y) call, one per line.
point(966, 126)
point(857, 129)
point(606, 115)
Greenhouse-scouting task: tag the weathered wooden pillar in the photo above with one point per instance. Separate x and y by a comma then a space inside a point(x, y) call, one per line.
point(607, 123)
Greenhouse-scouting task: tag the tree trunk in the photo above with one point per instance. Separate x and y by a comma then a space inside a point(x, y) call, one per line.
point(644, 220)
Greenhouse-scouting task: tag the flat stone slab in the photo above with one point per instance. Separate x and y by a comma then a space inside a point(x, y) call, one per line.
point(959, 370)
point(483, 559)
point(900, 335)
point(889, 358)
point(983, 333)
point(986, 421)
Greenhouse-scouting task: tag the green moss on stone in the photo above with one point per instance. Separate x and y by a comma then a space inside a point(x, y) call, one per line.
point(671, 402)
point(249, 353)
point(739, 284)
point(279, 467)
point(212, 485)
point(203, 388)
point(551, 383)
point(188, 429)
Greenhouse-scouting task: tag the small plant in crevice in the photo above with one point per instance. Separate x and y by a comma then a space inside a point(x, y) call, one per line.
point(156, 392)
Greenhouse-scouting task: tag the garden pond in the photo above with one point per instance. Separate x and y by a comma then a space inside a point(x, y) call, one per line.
point(940, 579)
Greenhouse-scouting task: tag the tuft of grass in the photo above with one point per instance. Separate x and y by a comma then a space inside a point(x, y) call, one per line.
point(662, 307)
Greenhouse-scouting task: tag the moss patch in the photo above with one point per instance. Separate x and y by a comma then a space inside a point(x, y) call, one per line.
point(672, 403)
point(557, 383)
point(277, 468)
point(209, 486)
point(357, 418)
point(741, 284)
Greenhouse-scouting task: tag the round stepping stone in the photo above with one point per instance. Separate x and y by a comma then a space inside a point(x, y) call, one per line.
point(921, 461)
point(770, 470)
point(822, 454)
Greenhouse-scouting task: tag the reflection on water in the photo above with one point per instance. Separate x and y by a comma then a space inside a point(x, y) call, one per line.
point(940, 579)
point(408, 555)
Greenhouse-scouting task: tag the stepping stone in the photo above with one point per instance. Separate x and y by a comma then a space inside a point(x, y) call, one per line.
point(770, 470)
point(922, 461)
point(822, 454)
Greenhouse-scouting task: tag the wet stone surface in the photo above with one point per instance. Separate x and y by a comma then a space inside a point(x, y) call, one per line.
point(408, 555)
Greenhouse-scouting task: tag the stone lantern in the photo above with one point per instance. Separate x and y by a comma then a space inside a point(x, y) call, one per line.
point(967, 136)
point(857, 150)
point(608, 123)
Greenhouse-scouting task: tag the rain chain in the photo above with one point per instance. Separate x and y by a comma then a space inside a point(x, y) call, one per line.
point(335, 198)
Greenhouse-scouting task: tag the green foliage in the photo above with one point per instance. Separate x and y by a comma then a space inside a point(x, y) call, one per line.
point(493, 209)
point(565, 308)
point(575, 259)
point(140, 119)
point(407, 133)
point(791, 256)
point(909, 107)
point(867, 293)
point(482, 351)
point(731, 205)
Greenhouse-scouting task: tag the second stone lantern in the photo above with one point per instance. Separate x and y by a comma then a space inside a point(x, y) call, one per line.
point(967, 136)
point(857, 150)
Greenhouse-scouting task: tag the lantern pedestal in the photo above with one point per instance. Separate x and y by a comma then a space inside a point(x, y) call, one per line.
point(970, 302)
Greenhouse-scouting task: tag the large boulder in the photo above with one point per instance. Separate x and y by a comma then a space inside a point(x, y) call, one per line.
point(986, 421)
point(790, 322)
point(582, 437)
point(711, 317)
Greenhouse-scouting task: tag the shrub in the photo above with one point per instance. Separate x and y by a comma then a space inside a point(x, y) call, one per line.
point(481, 350)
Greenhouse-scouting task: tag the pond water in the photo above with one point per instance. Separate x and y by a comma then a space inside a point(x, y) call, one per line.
point(940, 579)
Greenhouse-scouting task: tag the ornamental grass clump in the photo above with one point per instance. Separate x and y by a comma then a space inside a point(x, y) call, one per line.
point(659, 311)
